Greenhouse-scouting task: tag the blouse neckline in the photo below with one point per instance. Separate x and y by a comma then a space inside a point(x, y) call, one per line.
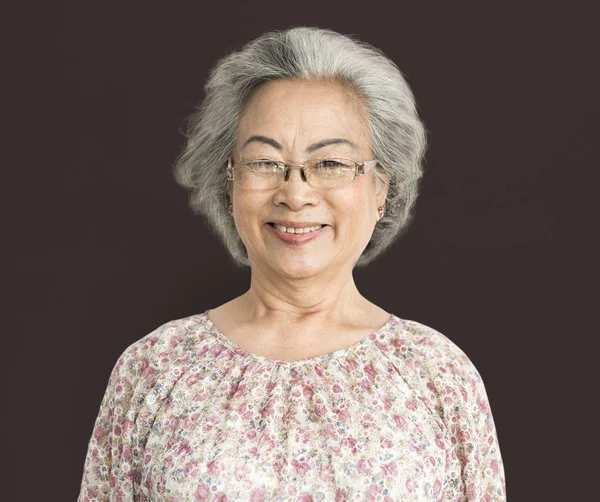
point(224, 340)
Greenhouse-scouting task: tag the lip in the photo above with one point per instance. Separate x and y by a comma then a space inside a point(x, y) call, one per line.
point(296, 239)
point(297, 224)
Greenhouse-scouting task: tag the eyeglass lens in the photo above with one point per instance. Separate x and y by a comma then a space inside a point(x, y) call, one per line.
point(321, 173)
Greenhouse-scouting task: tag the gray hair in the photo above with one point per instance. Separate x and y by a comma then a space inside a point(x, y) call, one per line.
point(397, 134)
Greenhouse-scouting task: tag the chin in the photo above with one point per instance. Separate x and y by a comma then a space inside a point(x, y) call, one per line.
point(298, 267)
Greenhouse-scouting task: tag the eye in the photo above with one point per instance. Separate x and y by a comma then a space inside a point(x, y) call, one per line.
point(333, 165)
point(330, 164)
point(262, 166)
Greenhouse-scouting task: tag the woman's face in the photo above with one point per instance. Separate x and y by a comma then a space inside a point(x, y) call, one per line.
point(295, 121)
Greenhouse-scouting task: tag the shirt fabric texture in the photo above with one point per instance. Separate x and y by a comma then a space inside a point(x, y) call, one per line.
point(401, 415)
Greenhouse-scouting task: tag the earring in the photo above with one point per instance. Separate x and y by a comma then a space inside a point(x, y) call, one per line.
point(381, 211)
point(230, 208)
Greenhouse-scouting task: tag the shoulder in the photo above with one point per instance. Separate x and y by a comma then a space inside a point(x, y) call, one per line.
point(450, 386)
point(170, 342)
point(422, 341)
point(432, 363)
point(139, 385)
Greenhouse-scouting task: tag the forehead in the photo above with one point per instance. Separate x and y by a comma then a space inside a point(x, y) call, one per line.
point(298, 112)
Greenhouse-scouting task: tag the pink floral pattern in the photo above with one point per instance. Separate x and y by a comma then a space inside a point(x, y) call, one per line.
point(402, 415)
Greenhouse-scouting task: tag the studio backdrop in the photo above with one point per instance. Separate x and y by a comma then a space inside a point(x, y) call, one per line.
point(497, 257)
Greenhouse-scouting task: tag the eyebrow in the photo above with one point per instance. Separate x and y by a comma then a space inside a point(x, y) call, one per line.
point(312, 148)
point(326, 142)
point(262, 139)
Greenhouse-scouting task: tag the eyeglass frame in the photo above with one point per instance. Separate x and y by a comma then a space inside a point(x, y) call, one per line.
point(360, 168)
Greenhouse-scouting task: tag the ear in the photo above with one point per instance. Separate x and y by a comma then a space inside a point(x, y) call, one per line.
point(229, 196)
point(383, 191)
point(382, 196)
point(230, 190)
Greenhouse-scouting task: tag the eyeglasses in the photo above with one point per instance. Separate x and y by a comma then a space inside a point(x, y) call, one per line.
point(263, 174)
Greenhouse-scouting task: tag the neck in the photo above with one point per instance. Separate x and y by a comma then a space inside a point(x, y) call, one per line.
point(315, 299)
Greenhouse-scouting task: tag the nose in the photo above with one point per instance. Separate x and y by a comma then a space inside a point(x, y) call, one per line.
point(295, 192)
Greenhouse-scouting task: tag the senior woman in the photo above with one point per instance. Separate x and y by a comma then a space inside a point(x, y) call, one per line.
point(305, 157)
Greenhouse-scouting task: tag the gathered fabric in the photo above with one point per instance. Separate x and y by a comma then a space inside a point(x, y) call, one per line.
point(401, 415)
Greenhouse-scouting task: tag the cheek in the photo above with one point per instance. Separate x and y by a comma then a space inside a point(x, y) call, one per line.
point(247, 211)
point(356, 207)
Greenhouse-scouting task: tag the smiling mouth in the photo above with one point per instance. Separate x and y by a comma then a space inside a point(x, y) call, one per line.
point(292, 230)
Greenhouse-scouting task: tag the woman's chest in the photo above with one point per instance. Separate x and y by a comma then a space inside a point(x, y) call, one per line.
point(295, 442)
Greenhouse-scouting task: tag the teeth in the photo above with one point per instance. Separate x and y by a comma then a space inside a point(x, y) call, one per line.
point(291, 230)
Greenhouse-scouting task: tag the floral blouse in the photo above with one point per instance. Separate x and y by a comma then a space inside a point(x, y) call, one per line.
point(402, 415)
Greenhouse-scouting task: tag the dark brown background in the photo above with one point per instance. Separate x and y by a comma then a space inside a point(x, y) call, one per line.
point(499, 257)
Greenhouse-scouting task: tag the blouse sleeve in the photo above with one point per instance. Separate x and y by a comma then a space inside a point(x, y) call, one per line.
point(112, 469)
point(109, 468)
point(466, 412)
point(452, 388)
